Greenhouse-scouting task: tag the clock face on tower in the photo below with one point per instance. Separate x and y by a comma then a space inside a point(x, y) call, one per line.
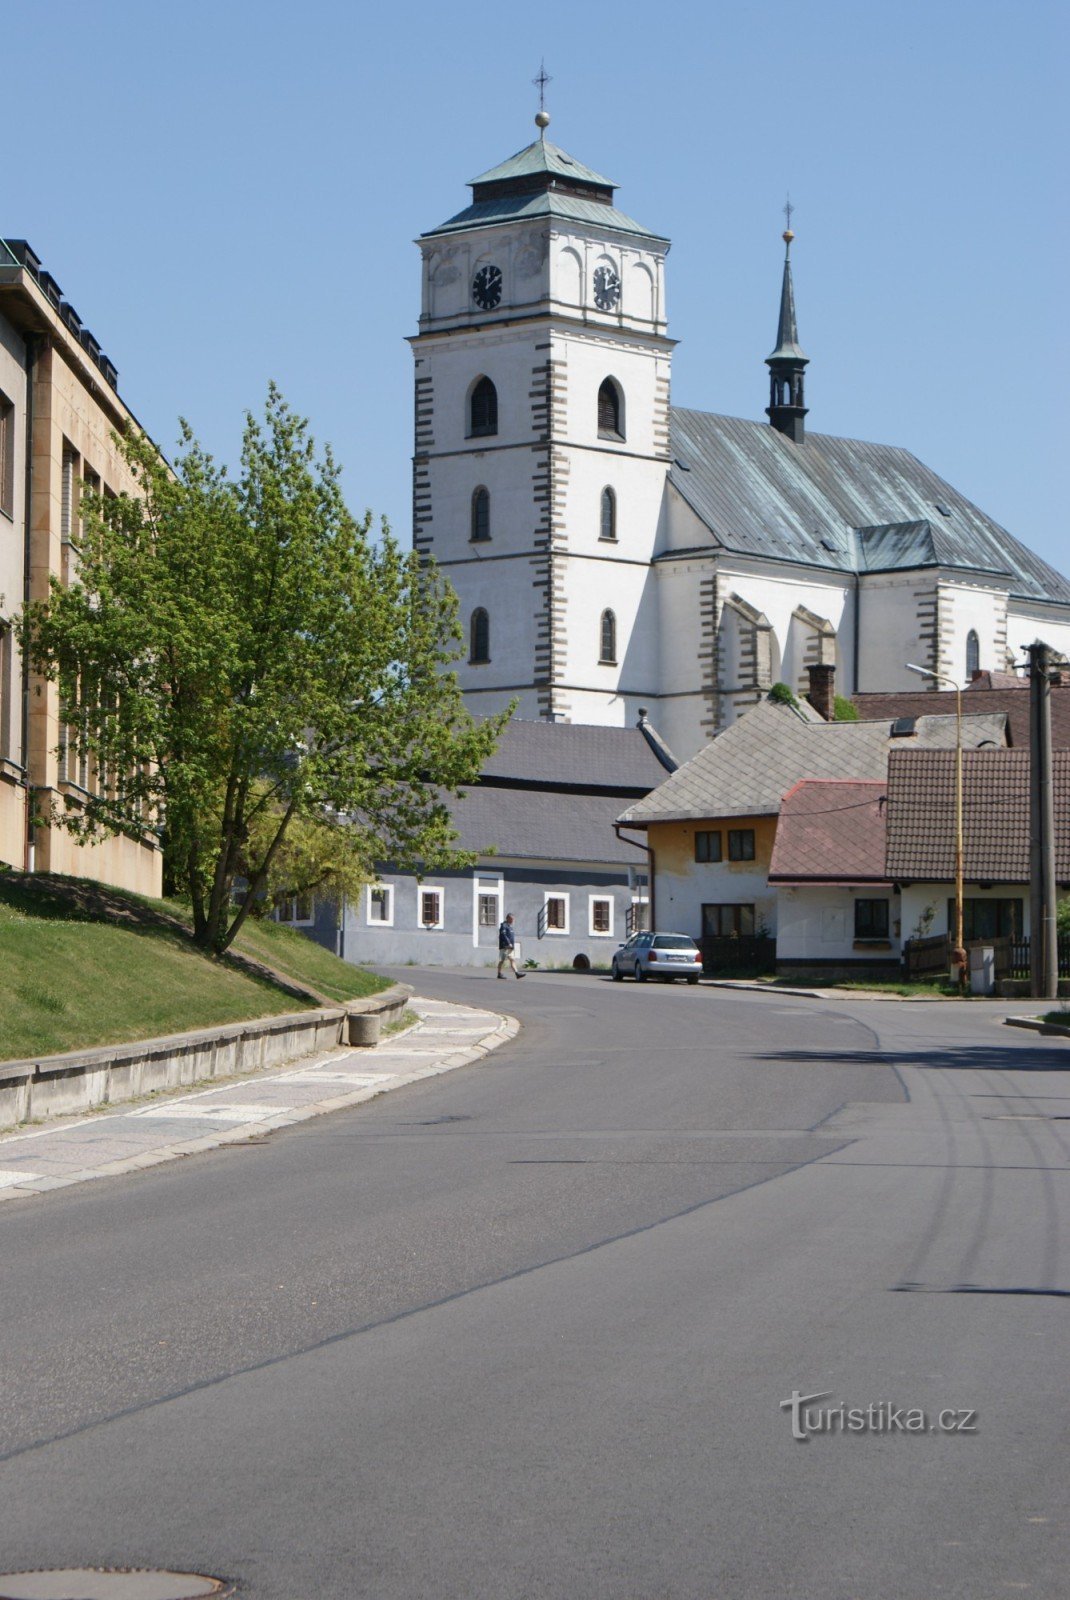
point(487, 287)
point(606, 288)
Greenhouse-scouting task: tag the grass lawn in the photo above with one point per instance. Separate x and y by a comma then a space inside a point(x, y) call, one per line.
point(82, 964)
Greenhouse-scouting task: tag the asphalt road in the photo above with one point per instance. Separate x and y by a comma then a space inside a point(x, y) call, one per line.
point(525, 1331)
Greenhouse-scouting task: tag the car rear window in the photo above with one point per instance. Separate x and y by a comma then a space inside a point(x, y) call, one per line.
point(673, 941)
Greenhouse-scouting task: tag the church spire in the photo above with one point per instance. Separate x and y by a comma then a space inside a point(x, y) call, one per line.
point(786, 409)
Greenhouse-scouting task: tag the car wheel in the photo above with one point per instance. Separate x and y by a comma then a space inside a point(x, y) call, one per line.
point(692, 980)
point(618, 976)
point(640, 973)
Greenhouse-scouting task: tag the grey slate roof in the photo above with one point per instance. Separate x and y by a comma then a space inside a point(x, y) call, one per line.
point(563, 753)
point(541, 825)
point(877, 506)
point(522, 207)
point(749, 767)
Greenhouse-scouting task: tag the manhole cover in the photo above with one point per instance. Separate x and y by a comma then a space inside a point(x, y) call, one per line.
point(100, 1583)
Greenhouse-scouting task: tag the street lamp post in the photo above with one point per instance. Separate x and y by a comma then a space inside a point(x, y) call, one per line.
point(958, 955)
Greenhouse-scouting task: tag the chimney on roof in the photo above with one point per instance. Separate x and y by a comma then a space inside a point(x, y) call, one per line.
point(822, 691)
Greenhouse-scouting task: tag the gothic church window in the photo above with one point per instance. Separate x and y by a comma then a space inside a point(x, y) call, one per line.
point(483, 410)
point(608, 656)
point(973, 654)
point(480, 516)
point(608, 528)
point(610, 411)
point(479, 637)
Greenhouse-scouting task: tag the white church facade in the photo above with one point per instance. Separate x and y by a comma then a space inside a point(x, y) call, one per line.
point(611, 552)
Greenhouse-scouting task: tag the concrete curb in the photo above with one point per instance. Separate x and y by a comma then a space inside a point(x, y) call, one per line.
point(1038, 1025)
point(506, 1029)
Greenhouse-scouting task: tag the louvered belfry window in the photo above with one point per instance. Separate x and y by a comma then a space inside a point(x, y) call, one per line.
point(609, 411)
point(484, 408)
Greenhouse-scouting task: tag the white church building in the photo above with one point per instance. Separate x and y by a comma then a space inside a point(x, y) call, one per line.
point(611, 552)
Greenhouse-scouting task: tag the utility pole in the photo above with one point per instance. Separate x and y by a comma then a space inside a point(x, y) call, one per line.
point(1043, 946)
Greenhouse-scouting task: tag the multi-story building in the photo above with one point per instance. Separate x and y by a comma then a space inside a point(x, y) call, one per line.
point(59, 413)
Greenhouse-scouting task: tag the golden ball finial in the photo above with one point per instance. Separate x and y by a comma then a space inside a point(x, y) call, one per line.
point(542, 119)
point(787, 236)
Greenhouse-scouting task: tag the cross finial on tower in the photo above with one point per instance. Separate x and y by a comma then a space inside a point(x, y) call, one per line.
point(542, 116)
point(789, 209)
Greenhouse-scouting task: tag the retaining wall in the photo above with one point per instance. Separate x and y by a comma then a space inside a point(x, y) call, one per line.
point(64, 1085)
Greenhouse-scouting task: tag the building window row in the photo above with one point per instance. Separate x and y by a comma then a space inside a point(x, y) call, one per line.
point(709, 844)
point(479, 518)
point(482, 419)
point(430, 906)
point(479, 638)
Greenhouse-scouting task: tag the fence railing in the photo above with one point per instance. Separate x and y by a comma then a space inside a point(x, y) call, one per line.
point(1019, 957)
point(723, 951)
point(924, 957)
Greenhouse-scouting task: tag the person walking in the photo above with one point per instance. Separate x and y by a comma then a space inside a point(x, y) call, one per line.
point(507, 947)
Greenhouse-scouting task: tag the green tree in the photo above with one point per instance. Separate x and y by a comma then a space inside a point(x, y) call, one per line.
point(238, 656)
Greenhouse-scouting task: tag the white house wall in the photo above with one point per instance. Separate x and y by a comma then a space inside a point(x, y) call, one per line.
point(816, 923)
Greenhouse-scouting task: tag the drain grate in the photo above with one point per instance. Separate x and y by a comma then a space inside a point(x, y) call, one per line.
point(109, 1583)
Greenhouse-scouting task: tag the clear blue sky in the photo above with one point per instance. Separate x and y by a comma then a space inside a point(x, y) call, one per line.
point(228, 192)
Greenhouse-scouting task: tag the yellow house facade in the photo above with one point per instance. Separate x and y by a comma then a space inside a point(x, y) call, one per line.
point(64, 410)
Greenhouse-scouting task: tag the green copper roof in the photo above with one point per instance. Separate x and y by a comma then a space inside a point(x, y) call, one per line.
point(542, 156)
point(521, 207)
point(787, 334)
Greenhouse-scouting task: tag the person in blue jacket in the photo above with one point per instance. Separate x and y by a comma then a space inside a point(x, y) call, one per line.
point(507, 947)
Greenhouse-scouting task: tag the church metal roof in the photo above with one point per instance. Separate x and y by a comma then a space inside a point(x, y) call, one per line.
point(549, 203)
point(542, 156)
point(841, 504)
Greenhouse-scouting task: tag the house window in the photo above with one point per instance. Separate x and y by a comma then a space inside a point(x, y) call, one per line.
point(973, 655)
point(479, 650)
point(608, 640)
point(741, 844)
point(7, 456)
point(555, 911)
point(480, 516)
point(610, 418)
point(431, 901)
point(707, 845)
point(638, 919)
point(601, 914)
point(381, 904)
point(488, 911)
point(296, 909)
point(987, 919)
point(608, 526)
point(871, 919)
point(728, 922)
point(483, 409)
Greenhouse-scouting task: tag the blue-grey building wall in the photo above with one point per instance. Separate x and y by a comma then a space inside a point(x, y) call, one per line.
point(461, 940)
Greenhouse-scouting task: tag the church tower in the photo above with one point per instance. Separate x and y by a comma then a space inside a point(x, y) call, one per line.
point(542, 368)
point(787, 364)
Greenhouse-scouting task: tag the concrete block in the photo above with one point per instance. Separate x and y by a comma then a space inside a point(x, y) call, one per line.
point(365, 1027)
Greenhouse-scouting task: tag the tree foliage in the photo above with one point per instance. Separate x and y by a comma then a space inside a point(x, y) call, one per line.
point(239, 656)
point(843, 709)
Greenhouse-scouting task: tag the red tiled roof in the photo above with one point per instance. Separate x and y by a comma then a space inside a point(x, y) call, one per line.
point(995, 816)
point(1014, 701)
point(830, 832)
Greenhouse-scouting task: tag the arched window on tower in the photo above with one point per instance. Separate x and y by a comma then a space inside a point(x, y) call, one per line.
point(610, 411)
point(973, 655)
point(608, 640)
point(608, 525)
point(480, 516)
point(479, 638)
point(483, 409)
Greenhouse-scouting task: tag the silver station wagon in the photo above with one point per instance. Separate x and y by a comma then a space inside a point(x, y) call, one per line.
point(658, 955)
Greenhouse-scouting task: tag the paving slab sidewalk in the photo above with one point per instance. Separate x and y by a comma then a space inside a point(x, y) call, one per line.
point(143, 1133)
